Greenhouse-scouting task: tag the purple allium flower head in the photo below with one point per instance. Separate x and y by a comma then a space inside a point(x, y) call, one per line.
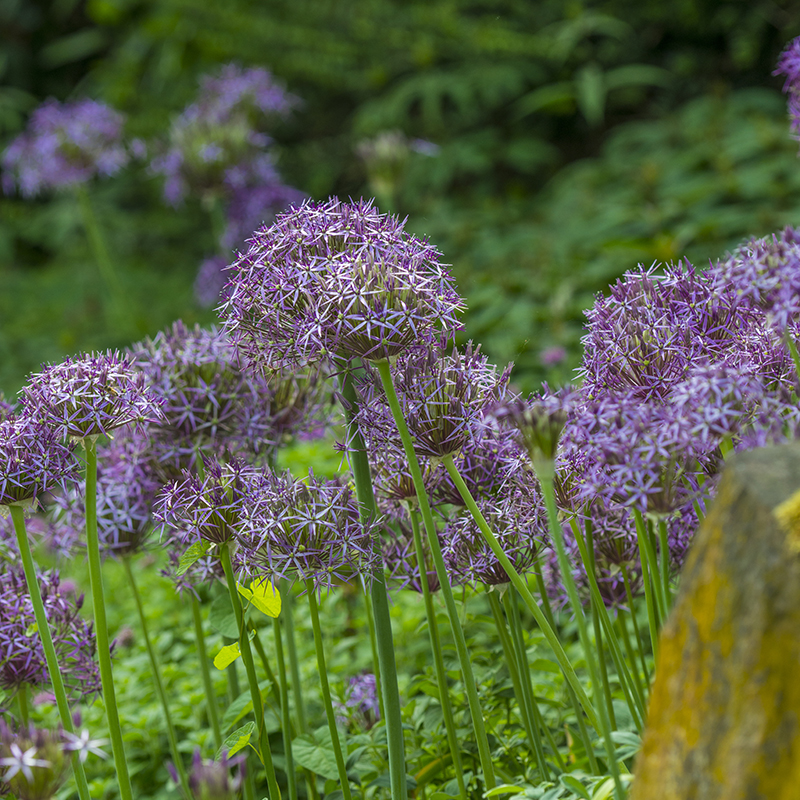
point(210, 281)
point(519, 523)
point(213, 507)
point(33, 762)
point(126, 491)
point(400, 559)
point(65, 145)
point(23, 661)
point(6, 408)
point(789, 65)
point(361, 704)
point(91, 396)
point(551, 356)
point(84, 745)
point(765, 274)
point(337, 281)
point(444, 397)
point(210, 780)
point(32, 461)
point(309, 530)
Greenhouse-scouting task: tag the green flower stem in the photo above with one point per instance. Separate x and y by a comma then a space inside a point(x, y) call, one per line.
point(438, 660)
point(250, 669)
point(208, 686)
point(294, 664)
point(663, 549)
point(649, 593)
point(601, 615)
point(51, 658)
point(376, 662)
point(644, 533)
point(513, 664)
point(544, 471)
point(597, 629)
point(387, 664)
point(522, 588)
point(234, 692)
point(444, 581)
point(514, 618)
point(101, 626)
point(183, 778)
point(641, 694)
point(636, 632)
point(790, 343)
point(274, 686)
point(104, 263)
point(286, 723)
point(326, 692)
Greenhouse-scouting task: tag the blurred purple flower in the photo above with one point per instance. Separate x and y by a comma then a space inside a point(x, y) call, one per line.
point(336, 281)
point(551, 356)
point(34, 763)
point(400, 560)
point(210, 780)
point(361, 704)
point(90, 396)
point(65, 145)
point(789, 65)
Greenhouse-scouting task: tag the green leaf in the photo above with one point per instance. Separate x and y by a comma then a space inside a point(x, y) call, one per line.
point(31, 629)
point(227, 655)
point(222, 618)
point(604, 790)
point(263, 595)
point(505, 788)
point(311, 754)
point(237, 740)
point(576, 786)
point(194, 552)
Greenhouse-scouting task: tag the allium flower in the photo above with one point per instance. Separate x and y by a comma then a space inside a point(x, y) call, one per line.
point(6, 408)
point(65, 145)
point(22, 660)
point(789, 65)
point(126, 491)
point(519, 523)
point(551, 356)
point(337, 281)
point(84, 745)
point(361, 704)
point(90, 396)
point(210, 281)
point(33, 762)
point(306, 530)
point(210, 780)
point(400, 560)
point(32, 461)
point(213, 508)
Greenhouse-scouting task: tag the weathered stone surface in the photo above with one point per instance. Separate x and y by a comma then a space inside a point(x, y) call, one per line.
point(724, 718)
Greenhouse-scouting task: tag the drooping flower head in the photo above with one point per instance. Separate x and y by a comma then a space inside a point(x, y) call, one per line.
point(402, 565)
point(66, 144)
point(32, 461)
point(22, 659)
point(789, 65)
point(211, 780)
point(306, 530)
point(90, 396)
point(336, 281)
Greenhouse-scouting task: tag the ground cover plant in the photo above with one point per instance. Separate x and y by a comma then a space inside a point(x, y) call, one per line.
point(464, 603)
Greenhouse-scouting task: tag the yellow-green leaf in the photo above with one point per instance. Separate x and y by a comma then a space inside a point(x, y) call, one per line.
point(237, 740)
point(227, 655)
point(263, 595)
point(194, 552)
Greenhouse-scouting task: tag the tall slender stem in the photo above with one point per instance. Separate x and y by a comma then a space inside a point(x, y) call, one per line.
point(250, 669)
point(326, 691)
point(101, 626)
point(637, 633)
point(294, 663)
point(441, 573)
point(22, 702)
point(286, 721)
point(373, 643)
point(50, 656)
point(522, 588)
point(438, 660)
point(208, 686)
point(162, 695)
point(650, 595)
point(387, 664)
point(663, 548)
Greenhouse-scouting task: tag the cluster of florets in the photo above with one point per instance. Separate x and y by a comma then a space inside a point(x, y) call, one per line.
point(789, 65)
point(23, 661)
point(308, 531)
point(90, 396)
point(336, 281)
point(33, 461)
point(361, 705)
point(401, 562)
point(211, 780)
point(66, 144)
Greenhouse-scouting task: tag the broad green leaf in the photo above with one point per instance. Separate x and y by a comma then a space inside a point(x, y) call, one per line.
point(505, 788)
point(604, 790)
point(263, 596)
point(221, 617)
point(227, 655)
point(195, 551)
point(237, 740)
point(311, 754)
point(576, 786)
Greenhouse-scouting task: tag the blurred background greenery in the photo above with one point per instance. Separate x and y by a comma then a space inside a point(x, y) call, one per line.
point(562, 142)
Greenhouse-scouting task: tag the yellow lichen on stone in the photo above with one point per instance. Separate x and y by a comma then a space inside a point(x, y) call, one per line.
point(788, 516)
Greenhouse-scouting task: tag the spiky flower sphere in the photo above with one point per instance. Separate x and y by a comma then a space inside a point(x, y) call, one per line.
point(32, 461)
point(34, 763)
point(210, 780)
point(65, 144)
point(23, 661)
point(306, 530)
point(337, 281)
point(402, 566)
point(90, 396)
point(361, 706)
